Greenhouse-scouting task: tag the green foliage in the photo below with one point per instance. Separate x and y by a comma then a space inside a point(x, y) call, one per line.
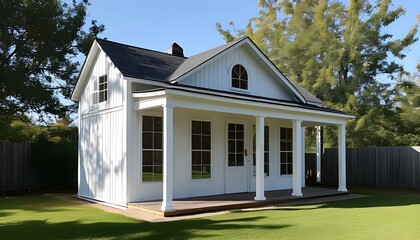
point(17, 130)
point(38, 41)
point(339, 52)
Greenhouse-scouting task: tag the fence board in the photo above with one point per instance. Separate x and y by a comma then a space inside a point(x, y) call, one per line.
point(41, 166)
point(397, 167)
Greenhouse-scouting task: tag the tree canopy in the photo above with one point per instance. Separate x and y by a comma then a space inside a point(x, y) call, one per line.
point(39, 40)
point(342, 54)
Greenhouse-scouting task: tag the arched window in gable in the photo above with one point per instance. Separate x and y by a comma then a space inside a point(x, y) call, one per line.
point(239, 77)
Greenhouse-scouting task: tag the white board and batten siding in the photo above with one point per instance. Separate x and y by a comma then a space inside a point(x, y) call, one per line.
point(217, 75)
point(102, 166)
point(184, 185)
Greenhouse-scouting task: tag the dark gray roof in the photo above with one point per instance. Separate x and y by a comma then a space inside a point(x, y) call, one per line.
point(139, 62)
point(199, 59)
point(163, 67)
point(306, 94)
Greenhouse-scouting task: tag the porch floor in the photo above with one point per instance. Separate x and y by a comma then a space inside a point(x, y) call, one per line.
point(230, 201)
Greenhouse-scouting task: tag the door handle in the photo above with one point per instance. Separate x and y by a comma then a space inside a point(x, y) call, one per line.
point(246, 152)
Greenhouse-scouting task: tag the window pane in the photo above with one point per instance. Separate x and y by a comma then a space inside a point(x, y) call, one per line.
point(235, 71)
point(196, 157)
point(239, 146)
point(282, 145)
point(147, 140)
point(235, 83)
point(244, 84)
point(158, 158)
point(157, 124)
point(289, 146)
point(289, 169)
point(196, 142)
point(283, 157)
point(102, 96)
point(206, 171)
point(157, 176)
point(239, 127)
point(206, 128)
point(205, 157)
point(239, 159)
point(283, 133)
point(289, 158)
point(206, 143)
point(147, 173)
point(231, 146)
point(240, 135)
point(102, 79)
point(231, 159)
point(196, 127)
point(147, 158)
point(231, 127)
point(244, 75)
point(283, 169)
point(157, 141)
point(231, 135)
point(196, 172)
point(147, 123)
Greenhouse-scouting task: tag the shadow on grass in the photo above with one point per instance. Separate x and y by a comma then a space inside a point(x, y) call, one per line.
point(40, 203)
point(372, 200)
point(375, 199)
point(168, 230)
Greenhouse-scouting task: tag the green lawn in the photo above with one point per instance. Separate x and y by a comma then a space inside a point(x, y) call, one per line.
point(379, 216)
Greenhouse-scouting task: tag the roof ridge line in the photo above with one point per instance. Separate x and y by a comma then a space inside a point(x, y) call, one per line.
point(136, 47)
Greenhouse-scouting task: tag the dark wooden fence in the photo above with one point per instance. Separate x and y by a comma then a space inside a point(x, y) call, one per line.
point(397, 167)
point(40, 166)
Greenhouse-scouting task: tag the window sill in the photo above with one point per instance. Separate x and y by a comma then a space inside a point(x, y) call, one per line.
point(246, 91)
point(201, 180)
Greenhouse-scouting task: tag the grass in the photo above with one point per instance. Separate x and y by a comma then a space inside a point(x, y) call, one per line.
point(381, 215)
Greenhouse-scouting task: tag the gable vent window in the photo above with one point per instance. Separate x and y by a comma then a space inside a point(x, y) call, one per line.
point(100, 90)
point(239, 77)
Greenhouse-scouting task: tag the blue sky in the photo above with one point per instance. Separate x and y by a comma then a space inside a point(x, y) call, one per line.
point(191, 23)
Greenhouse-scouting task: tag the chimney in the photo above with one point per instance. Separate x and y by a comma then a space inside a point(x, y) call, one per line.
point(176, 50)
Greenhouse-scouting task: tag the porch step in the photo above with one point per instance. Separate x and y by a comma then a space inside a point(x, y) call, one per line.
point(211, 204)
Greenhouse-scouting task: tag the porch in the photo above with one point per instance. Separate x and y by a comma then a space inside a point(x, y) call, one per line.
point(230, 201)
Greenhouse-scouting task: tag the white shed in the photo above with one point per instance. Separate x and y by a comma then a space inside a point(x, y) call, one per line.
point(161, 126)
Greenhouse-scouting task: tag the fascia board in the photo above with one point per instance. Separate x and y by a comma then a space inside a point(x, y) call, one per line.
point(86, 69)
point(253, 104)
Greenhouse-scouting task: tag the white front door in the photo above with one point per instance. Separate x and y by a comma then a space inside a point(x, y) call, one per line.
point(237, 157)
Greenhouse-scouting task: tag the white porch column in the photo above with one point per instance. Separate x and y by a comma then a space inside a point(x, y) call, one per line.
point(297, 158)
point(259, 155)
point(342, 158)
point(168, 158)
point(318, 153)
point(303, 156)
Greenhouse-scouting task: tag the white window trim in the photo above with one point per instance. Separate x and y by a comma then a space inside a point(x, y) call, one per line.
point(230, 79)
point(95, 94)
point(280, 151)
point(148, 114)
point(246, 140)
point(211, 150)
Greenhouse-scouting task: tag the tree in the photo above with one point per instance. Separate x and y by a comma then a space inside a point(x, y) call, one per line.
point(338, 52)
point(409, 109)
point(38, 42)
